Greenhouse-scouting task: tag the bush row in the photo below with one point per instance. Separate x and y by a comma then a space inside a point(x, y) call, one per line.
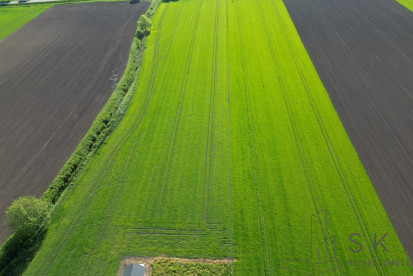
point(99, 130)
point(108, 117)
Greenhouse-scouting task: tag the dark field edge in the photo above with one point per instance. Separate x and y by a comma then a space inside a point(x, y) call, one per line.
point(17, 251)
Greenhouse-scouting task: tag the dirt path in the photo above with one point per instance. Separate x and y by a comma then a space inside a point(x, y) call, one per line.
point(54, 79)
point(363, 52)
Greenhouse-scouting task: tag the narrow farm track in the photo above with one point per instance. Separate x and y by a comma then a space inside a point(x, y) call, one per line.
point(230, 148)
point(363, 53)
point(54, 79)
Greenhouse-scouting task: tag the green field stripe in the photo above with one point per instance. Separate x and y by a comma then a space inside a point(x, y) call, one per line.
point(162, 85)
point(294, 128)
point(407, 3)
point(297, 138)
point(210, 136)
point(178, 114)
point(230, 218)
point(255, 180)
point(12, 18)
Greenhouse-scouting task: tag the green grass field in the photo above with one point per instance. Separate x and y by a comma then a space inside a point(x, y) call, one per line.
point(407, 3)
point(228, 148)
point(13, 17)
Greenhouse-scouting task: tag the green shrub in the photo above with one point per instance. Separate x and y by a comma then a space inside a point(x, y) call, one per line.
point(27, 215)
point(144, 25)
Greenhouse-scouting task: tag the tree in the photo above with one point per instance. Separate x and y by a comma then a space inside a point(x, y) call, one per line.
point(27, 214)
point(144, 24)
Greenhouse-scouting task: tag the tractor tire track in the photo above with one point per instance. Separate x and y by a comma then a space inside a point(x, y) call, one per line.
point(229, 162)
point(261, 220)
point(178, 115)
point(210, 136)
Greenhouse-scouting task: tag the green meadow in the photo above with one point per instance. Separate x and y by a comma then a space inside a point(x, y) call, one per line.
point(13, 17)
point(407, 3)
point(230, 148)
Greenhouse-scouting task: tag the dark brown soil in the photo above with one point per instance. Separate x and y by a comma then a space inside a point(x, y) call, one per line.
point(54, 79)
point(363, 52)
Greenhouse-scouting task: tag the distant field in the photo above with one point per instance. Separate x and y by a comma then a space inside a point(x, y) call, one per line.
point(12, 18)
point(230, 148)
point(407, 3)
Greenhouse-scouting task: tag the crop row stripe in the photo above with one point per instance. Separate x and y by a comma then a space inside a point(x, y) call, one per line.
point(178, 115)
point(296, 134)
point(260, 212)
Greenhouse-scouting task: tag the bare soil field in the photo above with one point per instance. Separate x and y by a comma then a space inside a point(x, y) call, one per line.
point(54, 78)
point(363, 52)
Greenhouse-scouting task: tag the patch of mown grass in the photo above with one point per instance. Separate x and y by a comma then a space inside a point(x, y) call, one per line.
point(229, 146)
point(13, 17)
point(175, 267)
